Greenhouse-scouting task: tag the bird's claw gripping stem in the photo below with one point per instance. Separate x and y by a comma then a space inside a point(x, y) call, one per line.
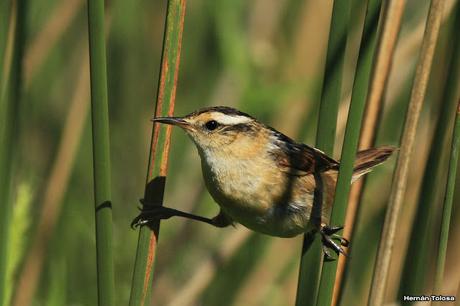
point(328, 235)
point(150, 214)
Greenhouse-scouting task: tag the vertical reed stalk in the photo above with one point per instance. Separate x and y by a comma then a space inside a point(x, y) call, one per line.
point(312, 257)
point(369, 41)
point(10, 88)
point(159, 149)
point(101, 153)
point(414, 275)
point(358, 99)
point(399, 184)
point(448, 201)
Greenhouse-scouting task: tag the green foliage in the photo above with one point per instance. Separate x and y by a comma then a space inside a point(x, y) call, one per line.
point(57, 287)
point(10, 96)
point(21, 220)
point(232, 274)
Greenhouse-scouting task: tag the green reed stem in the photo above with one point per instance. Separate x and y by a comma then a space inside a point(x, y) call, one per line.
point(350, 145)
point(312, 257)
point(101, 153)
point(159, 150)
point(448, 202)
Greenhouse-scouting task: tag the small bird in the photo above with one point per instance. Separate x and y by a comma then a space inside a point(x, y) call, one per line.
point(261, 178)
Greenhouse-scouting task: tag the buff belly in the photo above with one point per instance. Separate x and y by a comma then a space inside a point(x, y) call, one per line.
point(249, 200)
point(272, 223)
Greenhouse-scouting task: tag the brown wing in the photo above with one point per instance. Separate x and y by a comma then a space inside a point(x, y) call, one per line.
point(299, 159)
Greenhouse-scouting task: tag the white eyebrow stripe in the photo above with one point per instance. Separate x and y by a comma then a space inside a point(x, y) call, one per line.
point(230, 119)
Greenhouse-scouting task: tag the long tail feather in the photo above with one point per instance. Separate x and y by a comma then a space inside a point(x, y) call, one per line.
point(369, 158)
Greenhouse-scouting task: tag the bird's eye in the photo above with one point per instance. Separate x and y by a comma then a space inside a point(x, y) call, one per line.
point(211, 125)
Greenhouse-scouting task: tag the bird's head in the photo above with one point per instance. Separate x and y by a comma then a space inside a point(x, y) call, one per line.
point(217, 128)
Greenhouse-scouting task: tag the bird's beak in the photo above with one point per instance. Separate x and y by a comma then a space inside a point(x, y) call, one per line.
point(172, 121)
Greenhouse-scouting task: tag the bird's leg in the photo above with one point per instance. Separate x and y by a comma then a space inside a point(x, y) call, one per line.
point(151, 213)
point(328, 235)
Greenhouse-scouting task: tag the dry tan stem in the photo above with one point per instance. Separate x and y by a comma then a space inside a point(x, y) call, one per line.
point(382, 265)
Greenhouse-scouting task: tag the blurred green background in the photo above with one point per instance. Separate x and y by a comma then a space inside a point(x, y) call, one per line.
point(265, 57)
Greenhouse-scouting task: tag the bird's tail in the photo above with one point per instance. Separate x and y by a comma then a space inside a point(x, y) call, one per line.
point(369, 158)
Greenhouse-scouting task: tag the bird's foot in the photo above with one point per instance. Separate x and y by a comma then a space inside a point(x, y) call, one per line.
point(328, 235)
point(150, 214)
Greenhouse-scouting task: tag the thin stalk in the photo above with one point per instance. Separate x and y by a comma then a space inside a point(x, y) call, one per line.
point(350, 145)
point(101, 153)
point(312, 257)
point(448, 201)
point(415, 267)
point(10, 89)
point(400, 178)
point(159, 150)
